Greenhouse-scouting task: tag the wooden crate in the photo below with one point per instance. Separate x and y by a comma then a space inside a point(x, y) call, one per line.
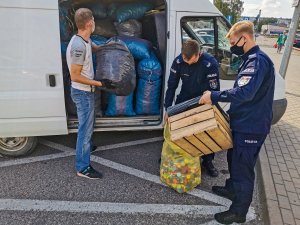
point(200, 131)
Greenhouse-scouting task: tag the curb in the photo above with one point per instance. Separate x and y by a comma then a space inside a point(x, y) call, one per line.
point(274, 216)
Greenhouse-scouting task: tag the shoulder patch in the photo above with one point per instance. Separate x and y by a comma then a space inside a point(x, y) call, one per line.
point(208, 64)
point(213, 84)
point(178, 61)
point(244, 80)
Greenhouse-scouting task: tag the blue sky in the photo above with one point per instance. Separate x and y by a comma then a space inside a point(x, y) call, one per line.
point(270, 8)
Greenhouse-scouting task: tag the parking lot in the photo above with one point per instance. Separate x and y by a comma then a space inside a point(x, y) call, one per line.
point(44, 189)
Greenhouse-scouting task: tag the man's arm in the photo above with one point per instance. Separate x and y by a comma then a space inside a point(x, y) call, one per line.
point(77, 77)
point(212, 77)
point(172, 84)
point(95, 47)
point(248, 84)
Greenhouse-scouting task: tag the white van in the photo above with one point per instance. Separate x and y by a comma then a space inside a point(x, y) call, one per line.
point(32, 100)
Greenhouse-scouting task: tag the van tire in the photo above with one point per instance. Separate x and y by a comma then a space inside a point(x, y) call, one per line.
point(17, 146)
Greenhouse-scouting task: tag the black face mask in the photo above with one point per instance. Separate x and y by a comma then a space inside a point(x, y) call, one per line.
point(238, 50)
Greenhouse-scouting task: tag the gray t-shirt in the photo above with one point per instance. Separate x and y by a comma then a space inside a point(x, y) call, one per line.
point(79, 52)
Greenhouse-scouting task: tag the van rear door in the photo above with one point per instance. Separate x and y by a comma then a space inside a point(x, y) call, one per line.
point(31, 83)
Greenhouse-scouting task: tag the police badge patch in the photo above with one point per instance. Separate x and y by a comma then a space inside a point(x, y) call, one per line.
point(213, 84)
point(244, 80)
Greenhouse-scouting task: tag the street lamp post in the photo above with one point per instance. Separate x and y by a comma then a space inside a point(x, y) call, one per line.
point(290, 40)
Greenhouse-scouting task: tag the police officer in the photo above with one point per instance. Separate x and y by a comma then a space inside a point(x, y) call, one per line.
point(250, 114)
point(198, 72)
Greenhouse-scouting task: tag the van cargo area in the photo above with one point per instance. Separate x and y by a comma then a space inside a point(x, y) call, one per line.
point(141, 25)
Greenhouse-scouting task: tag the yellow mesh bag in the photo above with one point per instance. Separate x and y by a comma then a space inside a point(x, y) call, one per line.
point(178, 169)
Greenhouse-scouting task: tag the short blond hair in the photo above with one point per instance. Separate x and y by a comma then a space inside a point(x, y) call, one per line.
point(82, 17)
point(244, 26)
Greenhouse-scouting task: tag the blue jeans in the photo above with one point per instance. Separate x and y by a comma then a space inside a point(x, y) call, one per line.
point(84, 101)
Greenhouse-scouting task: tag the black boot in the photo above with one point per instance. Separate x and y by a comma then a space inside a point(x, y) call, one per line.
point(223, 191)
point(229, 217)
point(211, 170)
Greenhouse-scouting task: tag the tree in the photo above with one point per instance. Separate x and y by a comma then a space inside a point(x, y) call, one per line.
point(232, 8)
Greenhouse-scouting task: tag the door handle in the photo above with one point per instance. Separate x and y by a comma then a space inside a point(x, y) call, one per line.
point(52, 80)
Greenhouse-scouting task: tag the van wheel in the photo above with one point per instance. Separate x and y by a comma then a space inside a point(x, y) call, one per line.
point(17, 146)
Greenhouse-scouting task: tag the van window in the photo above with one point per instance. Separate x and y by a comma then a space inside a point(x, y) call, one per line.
point(229, 63)
point(205, 31)
point(201, 29)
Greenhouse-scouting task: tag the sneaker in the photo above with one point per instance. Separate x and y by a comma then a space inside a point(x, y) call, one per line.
point(211, 170)
point(229, 217)
point(223, 191)
point(90, 173)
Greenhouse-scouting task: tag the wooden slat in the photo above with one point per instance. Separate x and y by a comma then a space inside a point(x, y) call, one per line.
point(189, 113)
point(221, 117)
point(188, 147)
point(224, 125)
point(208, 141)
point(221, 137)
point(184, 122)
point(198, 144)
point(193, 129)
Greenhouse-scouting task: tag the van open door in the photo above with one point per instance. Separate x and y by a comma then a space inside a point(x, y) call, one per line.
point(31, 84)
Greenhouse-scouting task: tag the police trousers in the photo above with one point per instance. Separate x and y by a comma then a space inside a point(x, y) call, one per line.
point(241, 164)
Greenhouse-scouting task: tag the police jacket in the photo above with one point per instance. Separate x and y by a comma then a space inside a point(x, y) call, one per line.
point(252, 95)
point(196, 78)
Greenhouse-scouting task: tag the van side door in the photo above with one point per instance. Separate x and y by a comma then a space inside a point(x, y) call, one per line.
point(31, 82)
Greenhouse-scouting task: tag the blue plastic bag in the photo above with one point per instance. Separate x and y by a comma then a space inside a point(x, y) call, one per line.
point(139, 48)
point(120, 105)
point(98, 40)
point(150, 69)
point(132, 11)
point(148, 97)
point(98, 9)
point(63, 48)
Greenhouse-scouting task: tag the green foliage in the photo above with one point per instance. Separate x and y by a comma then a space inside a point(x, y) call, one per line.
point(233, 8)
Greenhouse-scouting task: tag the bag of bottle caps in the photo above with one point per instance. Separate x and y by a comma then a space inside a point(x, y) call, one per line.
point(178, 169)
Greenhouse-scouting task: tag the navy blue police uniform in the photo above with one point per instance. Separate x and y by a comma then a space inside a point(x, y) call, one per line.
point(250, 115)
point(196, 78)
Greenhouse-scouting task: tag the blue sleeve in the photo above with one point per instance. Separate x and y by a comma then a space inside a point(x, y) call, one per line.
point(172, 84)
point(247, 85)
point(212, 77)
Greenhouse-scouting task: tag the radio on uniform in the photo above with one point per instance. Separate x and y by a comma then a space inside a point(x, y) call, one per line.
point(200, 131)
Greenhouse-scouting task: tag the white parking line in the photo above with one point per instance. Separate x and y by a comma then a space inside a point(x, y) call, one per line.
point(107, 207)
point(35, 159)
point(10, 204)
point(156, 179)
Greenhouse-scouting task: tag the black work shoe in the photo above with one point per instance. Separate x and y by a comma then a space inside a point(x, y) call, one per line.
point(211, 170)
point(223, 191)
point(94, 148)
point(90, 173)
point(229, 217)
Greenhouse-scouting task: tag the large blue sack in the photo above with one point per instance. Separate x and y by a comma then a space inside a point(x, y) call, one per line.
point(98, 40)
point(115, 63)
point(120, 105)
point(139, 48)
point(132, 11)
point(98, 9)
point(150, 69)
point(148, 97)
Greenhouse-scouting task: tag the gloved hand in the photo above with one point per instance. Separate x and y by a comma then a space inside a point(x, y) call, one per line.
point(108, 84)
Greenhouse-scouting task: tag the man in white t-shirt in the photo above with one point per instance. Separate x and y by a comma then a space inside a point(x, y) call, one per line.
point(80, 64)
